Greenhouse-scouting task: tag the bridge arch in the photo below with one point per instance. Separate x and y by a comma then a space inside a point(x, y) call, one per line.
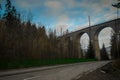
point(77, 39)
point(84, 42)
point(96, 39)
point(101, 28)
point(104, 37)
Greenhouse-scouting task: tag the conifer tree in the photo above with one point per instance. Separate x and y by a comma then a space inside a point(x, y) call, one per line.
point(104, 54)
point(90, 52)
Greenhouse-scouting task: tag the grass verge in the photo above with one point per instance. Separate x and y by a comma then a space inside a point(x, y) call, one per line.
point(4, 65)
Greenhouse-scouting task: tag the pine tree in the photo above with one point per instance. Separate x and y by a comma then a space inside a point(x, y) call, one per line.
point(104, 54)
point(113, 47)
point(11, 17)
point(90, 52)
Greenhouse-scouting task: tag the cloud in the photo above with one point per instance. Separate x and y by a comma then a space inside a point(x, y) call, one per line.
point(74, 9)
point(62, 24)
point(54, 8)
point(100, 12)
point(31, 4)
point(54, 5)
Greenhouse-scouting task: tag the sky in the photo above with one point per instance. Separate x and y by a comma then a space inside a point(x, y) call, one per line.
point(65, 15)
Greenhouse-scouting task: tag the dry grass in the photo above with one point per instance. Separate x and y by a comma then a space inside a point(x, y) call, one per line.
point(116, 63)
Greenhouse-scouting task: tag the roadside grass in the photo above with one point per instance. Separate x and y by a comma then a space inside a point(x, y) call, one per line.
point(116, 63)
point(5, 65)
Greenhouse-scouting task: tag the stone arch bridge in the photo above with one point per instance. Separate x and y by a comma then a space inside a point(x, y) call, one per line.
point(93, 32)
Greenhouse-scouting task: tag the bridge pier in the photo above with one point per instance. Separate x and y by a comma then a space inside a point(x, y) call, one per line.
point(77, 45)
point(96, 48)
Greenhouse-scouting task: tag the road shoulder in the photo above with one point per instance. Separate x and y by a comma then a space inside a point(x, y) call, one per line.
point(106, 72)
point(27, 70)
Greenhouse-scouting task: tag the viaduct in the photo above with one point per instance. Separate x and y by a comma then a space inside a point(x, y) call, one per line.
point(93, 32)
